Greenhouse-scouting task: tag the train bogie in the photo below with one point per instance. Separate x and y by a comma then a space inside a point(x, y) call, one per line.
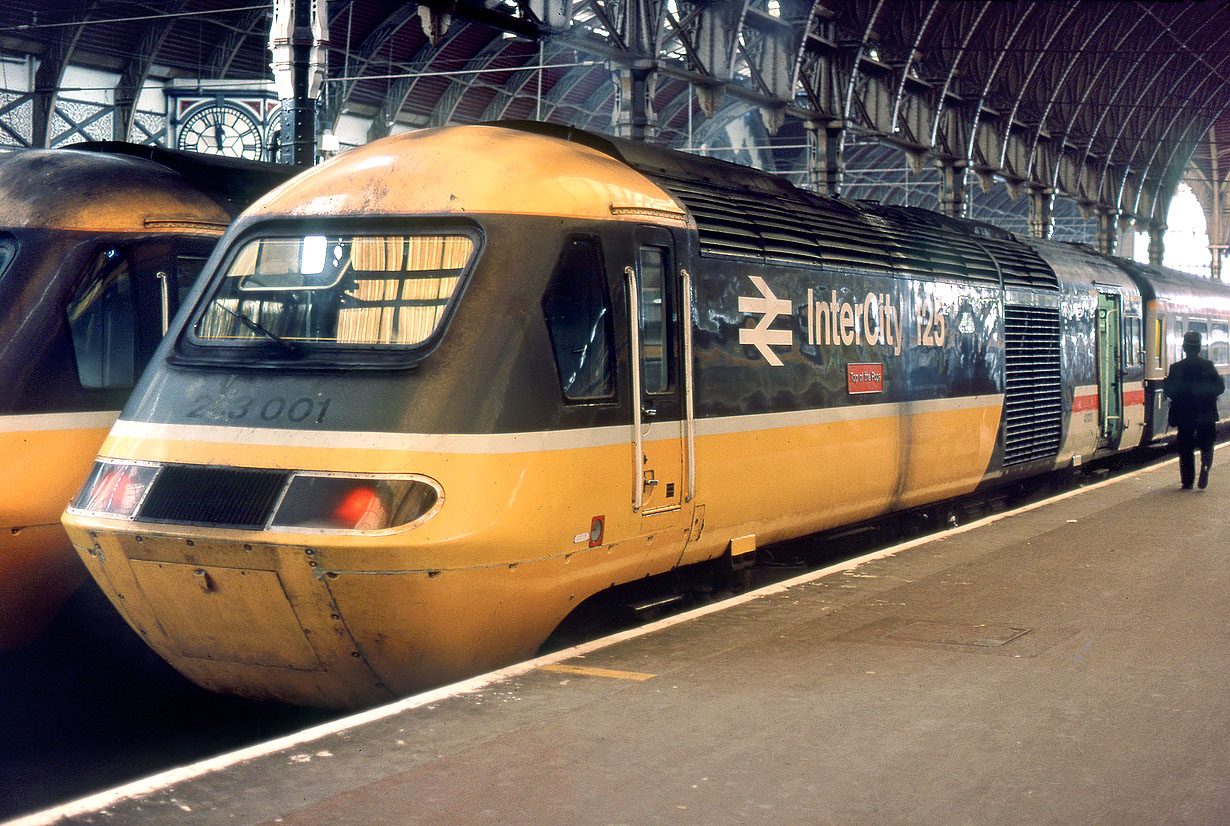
point(439, 391)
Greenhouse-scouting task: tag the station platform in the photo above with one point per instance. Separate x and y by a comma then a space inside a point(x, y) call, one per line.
point(1068, 663)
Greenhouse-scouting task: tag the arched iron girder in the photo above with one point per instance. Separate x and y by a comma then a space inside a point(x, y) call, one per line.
point(50, 73)
point(254, 22)
point(1043, 55)
point(560, 89)
point(908, 64)
point(596, 105)
point(1056, 88)
point(132, 78)
point(989, 81)
point(847, 101)
point(1099, 192)
point(1170, 172)
point(507, 93)
point(376, 39)
point(941, 98)
point(1091, 85)
point(447, 103)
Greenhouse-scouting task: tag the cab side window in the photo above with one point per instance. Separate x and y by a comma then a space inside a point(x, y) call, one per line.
point(102, 322)
point(577, 308)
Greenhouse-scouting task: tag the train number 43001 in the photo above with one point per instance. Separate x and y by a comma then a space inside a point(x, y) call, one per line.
point(237, 408)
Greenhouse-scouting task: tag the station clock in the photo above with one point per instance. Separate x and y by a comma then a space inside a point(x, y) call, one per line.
point(222, 129)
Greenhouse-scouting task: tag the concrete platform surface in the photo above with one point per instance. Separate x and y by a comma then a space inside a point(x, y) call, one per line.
point(1067, 664)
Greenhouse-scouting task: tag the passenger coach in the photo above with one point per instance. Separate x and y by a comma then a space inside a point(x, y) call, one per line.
point(437, 391)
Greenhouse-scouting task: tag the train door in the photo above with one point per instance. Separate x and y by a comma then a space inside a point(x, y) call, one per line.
point(658, 420)
point(1110, 367)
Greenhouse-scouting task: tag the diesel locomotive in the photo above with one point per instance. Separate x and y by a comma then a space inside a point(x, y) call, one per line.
point(436, 392)
point(97, 245)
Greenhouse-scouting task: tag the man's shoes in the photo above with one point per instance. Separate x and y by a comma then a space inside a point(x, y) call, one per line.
point(1203, 481)
point(1188, 486)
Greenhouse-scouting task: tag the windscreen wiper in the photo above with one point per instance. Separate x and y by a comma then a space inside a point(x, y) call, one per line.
point(286, 346)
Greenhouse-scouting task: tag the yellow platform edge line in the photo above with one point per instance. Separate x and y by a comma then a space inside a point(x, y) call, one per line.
point(598, 672)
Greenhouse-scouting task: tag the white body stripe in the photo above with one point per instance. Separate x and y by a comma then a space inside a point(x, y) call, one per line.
point(86, 420)
point(533, 441)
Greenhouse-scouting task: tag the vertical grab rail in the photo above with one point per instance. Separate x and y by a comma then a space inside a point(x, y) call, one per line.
point(634, 358)
point(689, 411)
point(164, 282)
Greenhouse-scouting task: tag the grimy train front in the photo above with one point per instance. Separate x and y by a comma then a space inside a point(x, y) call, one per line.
point(440, 390)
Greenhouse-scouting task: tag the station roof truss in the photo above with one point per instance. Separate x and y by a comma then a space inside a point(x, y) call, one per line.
point(1107, 105)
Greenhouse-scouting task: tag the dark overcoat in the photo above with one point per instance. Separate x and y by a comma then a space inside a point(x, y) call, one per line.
point(1193, 385)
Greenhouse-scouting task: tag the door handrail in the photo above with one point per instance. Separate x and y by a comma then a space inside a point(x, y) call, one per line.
point(689, 412)
point(634, 357)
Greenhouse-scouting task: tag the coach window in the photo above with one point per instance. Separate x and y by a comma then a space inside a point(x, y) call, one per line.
point(102, 322)
point(1135, 344)
point(1219, 344)
point(577, 308)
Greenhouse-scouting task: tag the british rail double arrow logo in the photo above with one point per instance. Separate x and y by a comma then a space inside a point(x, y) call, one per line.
point(760, 336)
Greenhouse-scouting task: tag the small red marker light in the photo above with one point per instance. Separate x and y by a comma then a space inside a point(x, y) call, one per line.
point(361, 510)
point(596, 528)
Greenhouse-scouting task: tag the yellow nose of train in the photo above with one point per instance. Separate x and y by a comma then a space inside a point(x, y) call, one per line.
point(357, 507)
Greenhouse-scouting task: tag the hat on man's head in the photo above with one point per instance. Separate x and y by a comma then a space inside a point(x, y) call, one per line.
point(1191, 339)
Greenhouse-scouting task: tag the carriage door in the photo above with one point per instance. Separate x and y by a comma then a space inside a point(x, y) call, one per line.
point(1110, 367)
point(657, 420)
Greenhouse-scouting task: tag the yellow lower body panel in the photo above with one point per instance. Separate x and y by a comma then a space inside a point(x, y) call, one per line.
point(38, 573)
point(40, 470)
point(338, 620)
point(792, 481)
point(291, 623)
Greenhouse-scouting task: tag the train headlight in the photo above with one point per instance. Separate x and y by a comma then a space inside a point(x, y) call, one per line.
point(355, 503)
point(114, 489)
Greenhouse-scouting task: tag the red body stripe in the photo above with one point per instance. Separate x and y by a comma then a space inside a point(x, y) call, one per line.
point(1132, 398)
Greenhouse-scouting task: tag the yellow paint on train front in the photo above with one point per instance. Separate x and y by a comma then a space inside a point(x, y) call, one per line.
point(41, 471)
point(350, 620)
point(505, 171)
point(38, 573)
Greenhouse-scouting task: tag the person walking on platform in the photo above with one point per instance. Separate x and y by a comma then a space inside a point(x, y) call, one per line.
point(1193, 385)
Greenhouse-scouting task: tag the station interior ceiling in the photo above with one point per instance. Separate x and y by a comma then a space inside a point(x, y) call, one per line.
point(1052, 117)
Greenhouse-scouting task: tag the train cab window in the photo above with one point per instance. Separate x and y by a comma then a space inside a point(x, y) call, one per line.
point(339, 290)
point(577, 308)
point(1219, 344)
point(102, 323)
point(655, 317)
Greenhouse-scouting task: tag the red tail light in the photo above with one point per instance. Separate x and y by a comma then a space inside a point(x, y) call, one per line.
point(361, 510)
point(316, 501)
